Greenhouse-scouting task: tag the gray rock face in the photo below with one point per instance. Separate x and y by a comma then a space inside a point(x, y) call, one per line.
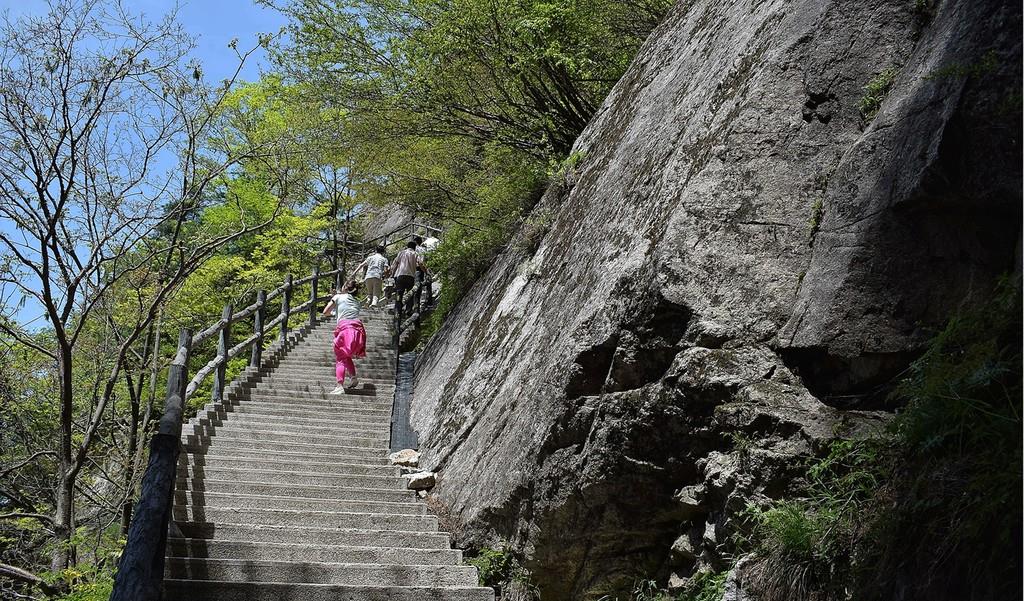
point(734, 272)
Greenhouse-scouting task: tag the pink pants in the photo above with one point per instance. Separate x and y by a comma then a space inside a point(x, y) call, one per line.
point(349, 342)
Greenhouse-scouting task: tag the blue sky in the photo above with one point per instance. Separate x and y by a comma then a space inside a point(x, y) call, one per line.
point(213, 22)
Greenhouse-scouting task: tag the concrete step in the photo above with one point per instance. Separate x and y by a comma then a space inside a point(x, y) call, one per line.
point(315, 535)
point(242, 570)
point(237, 432)
point(356, 410)
point(375, 347)
point(236, 445)
point(230, 549)
point(314, 356)
point(302, 517)
point(273, 462)
point(324, 351)
point(186, 590)
point(309, 491)
point(289, 477)
point(340, 409)
point(326, 424)
point(368, 380)
point(213, 454)
point(325, 377)
point(365, 392)
point(354, 398)
point(326, 433)
point(198, 501)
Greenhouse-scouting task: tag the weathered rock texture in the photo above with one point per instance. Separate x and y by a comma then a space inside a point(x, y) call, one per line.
point(737, 269)
point(380, 221)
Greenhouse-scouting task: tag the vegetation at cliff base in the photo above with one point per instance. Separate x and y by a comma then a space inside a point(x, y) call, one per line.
point(945, 477)
point(501, 570)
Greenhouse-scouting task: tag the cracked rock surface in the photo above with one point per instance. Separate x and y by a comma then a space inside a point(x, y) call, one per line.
point(736, 270)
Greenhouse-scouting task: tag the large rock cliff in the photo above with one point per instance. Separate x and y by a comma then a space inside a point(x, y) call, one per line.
point(738, 267)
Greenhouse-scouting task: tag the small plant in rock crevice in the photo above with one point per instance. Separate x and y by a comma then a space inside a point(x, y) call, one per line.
point(875, 92)
point(742, 444)
point(534, 228)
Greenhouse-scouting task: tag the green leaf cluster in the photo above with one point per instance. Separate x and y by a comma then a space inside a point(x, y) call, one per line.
point(455, 110)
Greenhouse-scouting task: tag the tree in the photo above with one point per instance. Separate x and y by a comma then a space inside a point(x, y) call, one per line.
point(459, 111)
point(107, 154)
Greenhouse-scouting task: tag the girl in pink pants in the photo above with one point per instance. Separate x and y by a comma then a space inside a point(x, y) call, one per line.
point(349, 335)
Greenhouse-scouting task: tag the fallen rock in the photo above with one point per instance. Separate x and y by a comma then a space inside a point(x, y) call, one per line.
point(690, 500)
point(422, 481)
point(684, 549)
point(405, 458)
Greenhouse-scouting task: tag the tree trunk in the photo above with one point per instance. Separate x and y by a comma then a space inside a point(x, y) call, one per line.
point(63, 515)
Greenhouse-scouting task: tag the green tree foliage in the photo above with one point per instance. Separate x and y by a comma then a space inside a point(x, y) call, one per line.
point(456, 110)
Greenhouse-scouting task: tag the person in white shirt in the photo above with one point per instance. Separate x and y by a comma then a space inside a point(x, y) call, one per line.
point(349, 335)
point(374, 266)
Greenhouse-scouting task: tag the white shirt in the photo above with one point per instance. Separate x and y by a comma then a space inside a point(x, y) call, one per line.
point(346, 306)
point(429, 244)
point(376, 265)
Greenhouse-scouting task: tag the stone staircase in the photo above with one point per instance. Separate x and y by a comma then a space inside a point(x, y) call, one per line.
point(284, 492)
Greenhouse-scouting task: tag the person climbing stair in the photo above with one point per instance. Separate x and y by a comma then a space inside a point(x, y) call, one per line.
point(349, 335)
point(374, 268)
point(404, 268)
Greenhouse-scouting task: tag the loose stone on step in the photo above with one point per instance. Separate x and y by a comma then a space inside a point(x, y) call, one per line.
point(421, 481)
point(405, 458)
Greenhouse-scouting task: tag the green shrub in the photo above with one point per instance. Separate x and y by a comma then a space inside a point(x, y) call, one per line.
point(806, 541)
point(494, 566)
point(501, 570)
point(704, 586)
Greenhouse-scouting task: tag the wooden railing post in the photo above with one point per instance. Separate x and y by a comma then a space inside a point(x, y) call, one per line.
point(286, 303)
point(140, 571)
point(313, 295)
point(257, 328)
point(223, 344)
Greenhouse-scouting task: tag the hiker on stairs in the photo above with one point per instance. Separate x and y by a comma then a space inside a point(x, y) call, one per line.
point(405, 268)
point(374, 267)
point(349, 335)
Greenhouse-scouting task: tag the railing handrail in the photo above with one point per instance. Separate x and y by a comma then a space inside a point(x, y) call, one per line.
point(216, 327)
point(141, 567)
point(411, 224)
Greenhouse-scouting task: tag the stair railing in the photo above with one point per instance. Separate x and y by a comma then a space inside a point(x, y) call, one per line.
point(140, 570)
point(419, 298)
point(400, 232)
